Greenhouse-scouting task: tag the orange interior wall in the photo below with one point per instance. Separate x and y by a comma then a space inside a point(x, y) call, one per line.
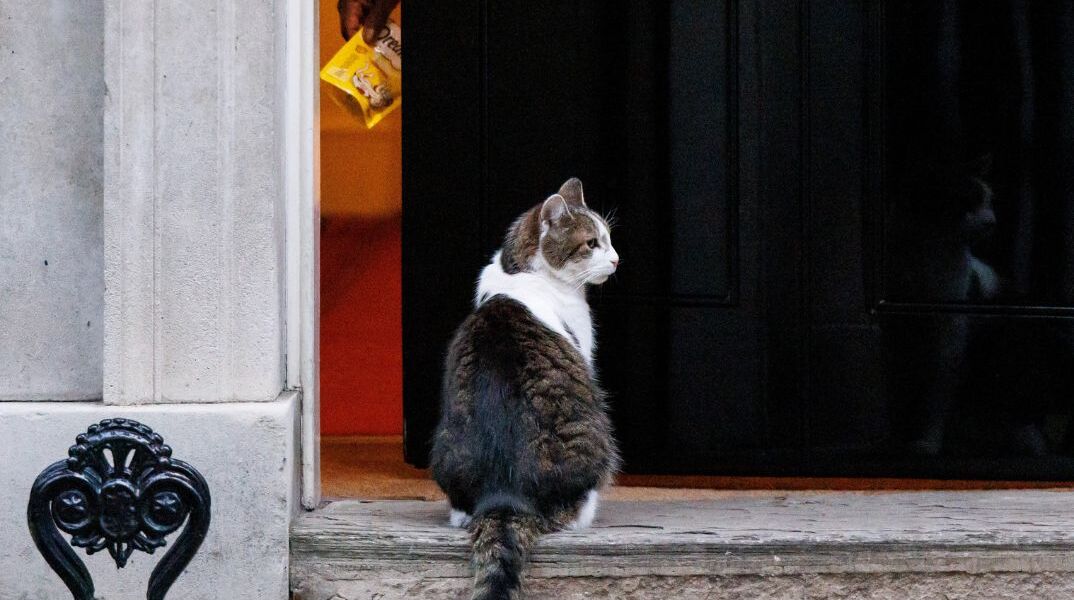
point(361, 289)
point(361, 341)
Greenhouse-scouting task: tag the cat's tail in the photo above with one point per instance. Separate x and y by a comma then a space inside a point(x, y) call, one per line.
point(503, 530)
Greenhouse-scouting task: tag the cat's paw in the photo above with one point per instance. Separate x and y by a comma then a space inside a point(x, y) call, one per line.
point(587, 513)
point(459, 519)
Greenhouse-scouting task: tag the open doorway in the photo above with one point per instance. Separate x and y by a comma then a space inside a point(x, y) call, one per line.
point(726, 340)
point(361, 400)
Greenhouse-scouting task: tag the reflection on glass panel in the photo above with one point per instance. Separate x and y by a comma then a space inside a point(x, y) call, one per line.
point(979, 169)
point(980, 152)
point(981, 386)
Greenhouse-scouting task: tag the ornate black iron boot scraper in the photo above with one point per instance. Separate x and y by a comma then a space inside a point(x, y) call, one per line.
point(120, 490)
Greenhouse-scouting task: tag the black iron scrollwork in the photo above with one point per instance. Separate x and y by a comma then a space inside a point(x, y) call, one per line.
point(120, 490)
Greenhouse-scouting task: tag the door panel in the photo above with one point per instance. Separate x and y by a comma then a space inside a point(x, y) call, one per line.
point(980, 132)
point(805, 271)
point(442, 186)
point(700, 79)
point(977, 210)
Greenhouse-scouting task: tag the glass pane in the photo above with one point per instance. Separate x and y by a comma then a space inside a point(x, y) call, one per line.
point(980, 152)
point(979, 169)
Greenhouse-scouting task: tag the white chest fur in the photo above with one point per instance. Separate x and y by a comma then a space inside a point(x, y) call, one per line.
point(561, 308)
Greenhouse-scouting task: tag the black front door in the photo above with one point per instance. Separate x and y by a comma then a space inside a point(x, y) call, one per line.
point(821, 272)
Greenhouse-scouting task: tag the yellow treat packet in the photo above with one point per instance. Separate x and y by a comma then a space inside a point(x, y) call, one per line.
point(369, 80)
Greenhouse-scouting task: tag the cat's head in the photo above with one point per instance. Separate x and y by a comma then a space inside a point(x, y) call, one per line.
point(563, 237)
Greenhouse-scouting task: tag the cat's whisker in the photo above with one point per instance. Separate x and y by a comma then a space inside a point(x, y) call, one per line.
point(578, 283)
point(611, 218)
point(583, 277)
point(583, 274)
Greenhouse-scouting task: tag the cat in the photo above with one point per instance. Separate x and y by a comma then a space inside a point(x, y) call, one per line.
point(524, 442)
point(939, 217)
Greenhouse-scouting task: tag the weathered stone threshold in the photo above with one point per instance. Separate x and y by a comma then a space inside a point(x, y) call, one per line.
point(988, 544)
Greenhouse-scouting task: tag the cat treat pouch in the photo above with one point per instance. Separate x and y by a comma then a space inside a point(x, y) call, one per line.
point(368, 80)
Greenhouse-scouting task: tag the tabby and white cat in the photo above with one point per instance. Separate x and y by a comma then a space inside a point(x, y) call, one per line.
point(524, 442)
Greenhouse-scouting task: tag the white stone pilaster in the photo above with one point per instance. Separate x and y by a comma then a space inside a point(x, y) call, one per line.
point(193, 216)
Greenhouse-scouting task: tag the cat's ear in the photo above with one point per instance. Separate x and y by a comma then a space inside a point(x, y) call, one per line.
point(554, 208)
point(571, 190)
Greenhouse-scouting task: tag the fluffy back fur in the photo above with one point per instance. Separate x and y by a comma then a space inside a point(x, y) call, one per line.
point(524, 439)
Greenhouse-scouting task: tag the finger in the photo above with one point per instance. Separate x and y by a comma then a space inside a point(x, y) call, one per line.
point(351, 13)
point(377, 18)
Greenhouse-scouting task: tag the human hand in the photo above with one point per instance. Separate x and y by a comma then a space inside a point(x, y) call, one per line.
point(372, 14)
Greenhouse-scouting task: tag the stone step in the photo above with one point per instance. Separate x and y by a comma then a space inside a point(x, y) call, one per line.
point(757, 546)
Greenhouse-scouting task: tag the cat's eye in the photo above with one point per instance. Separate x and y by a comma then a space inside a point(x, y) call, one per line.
point(592, 243)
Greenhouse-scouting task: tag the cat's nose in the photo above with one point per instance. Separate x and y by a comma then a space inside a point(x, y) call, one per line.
point(615, 263)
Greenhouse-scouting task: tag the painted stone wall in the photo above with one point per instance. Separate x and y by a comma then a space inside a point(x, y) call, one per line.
point(52, 96)
point(141, 157)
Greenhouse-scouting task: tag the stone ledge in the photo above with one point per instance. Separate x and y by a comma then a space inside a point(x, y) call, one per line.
point(1017, 540)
